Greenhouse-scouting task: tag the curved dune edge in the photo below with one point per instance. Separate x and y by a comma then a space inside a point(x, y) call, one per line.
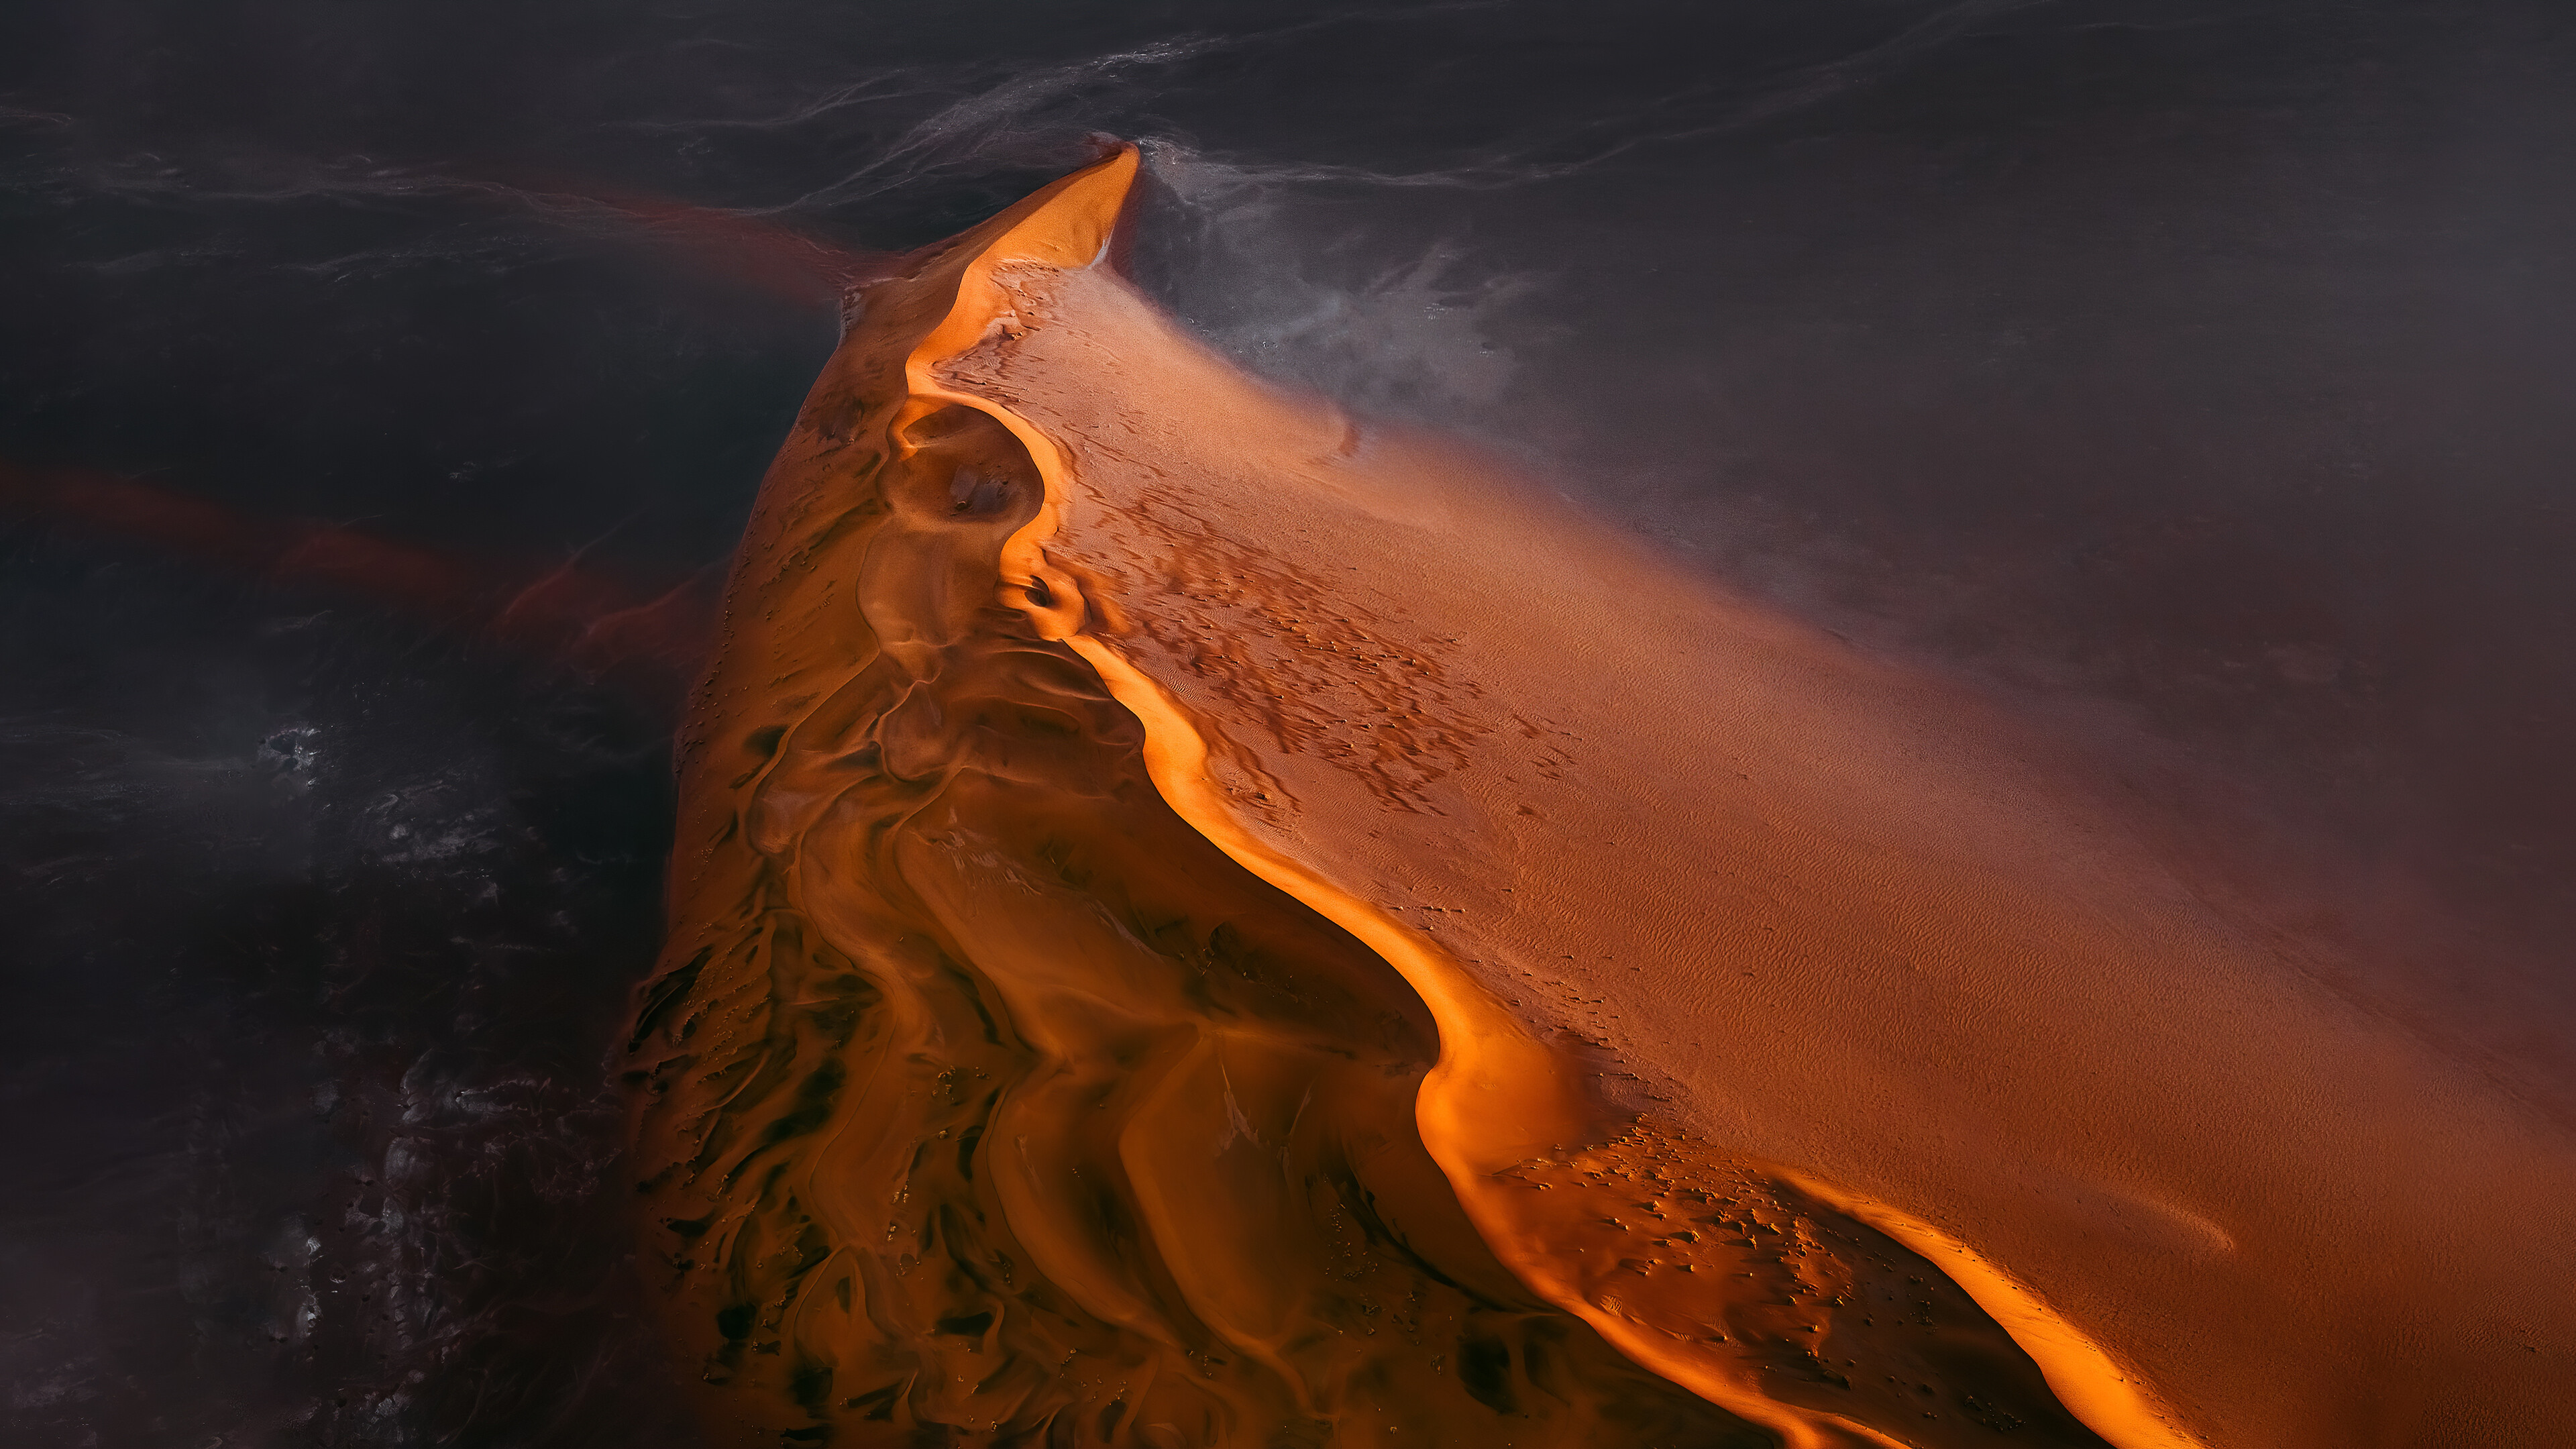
point(977, 1097)
point(1493, 1084)
point(2113, 1400)
point(1068, 224)
point(1499, 1107)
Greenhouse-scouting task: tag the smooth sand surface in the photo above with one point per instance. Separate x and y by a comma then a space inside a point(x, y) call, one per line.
point(1358, 885)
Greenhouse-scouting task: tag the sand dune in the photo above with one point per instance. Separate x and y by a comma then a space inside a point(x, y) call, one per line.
point(1196, 922)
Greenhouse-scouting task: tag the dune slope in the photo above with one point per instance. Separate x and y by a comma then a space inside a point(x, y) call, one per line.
point(1198, 923)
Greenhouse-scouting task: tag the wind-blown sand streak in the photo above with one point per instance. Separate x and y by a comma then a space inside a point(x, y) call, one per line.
point(1149, 856)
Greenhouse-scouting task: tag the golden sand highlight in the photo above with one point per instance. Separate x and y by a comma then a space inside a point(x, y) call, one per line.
point(1197, 922)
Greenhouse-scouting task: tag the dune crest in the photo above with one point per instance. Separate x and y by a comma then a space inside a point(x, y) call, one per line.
point(978, 1093)
point(1649, 1234)
point(1196, 924)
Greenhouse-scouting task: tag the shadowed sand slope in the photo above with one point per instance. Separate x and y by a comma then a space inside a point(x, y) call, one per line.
point(1194, 923)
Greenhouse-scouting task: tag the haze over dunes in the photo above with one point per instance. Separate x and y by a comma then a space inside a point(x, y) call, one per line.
point(1197, 922)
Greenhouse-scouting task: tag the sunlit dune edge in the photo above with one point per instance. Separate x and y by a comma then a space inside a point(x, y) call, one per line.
point(1137, 841)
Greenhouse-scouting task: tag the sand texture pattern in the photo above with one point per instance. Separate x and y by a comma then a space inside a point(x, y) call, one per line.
point(1196, 922)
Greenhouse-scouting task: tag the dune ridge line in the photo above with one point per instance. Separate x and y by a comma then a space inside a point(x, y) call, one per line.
point(1497, 1099)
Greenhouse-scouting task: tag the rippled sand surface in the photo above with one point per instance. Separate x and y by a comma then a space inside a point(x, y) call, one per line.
point(1198, 923)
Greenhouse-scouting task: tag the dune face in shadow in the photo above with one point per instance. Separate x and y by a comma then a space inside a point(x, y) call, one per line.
point(981, 1094)
point(1011, 1106)
point(1194, 923)
point(984, 1092)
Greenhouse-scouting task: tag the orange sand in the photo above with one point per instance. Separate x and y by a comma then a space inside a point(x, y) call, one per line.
point(1195, 923)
